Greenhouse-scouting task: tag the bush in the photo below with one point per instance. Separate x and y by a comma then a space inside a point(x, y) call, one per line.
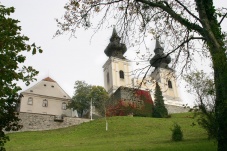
point(177, 133)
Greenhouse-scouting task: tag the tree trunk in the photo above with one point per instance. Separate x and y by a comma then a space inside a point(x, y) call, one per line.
point(215, 42)
point(220, 78)
point(81, 113)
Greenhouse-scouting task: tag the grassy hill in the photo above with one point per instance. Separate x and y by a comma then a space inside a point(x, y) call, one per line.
point(124, 134)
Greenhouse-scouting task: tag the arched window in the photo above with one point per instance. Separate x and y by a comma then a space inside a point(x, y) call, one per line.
point(108, 78)
point(45, 103)
point(170, 84)
point(30, 101)
point(121, 73)
point(63, 106)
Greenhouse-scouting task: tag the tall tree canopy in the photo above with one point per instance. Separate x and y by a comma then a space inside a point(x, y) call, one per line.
point(12, 44)
point(99, 97)
point(181, 24)
point(83, 95)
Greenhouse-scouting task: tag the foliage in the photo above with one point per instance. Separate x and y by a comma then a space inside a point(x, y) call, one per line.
point(147, 107)
point(145, 111)
point(181, 24)
point(177, 133)
point(83, 95)
point(122, 108)
point(12, 45)
point(202, 86)
point(124, 134)
point(99, 97)
point(81, 99)
point(160, 110)
point(137, 103)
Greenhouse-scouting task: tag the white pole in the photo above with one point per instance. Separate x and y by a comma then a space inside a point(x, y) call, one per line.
point(106, 121)
point(91, 109)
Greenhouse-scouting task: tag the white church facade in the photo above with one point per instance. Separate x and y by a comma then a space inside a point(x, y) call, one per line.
point(117, 73)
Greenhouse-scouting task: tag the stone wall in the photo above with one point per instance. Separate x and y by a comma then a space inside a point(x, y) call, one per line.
point(176, 109)
point(38, 122)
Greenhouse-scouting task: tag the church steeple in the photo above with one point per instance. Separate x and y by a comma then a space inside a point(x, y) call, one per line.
point(160, 59)
point(158, 48)
point(115, 48)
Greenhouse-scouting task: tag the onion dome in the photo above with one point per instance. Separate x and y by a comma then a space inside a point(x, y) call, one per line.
point(115, 48)
point(160, 59)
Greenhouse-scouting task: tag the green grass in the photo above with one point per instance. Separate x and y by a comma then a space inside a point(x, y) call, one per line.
point(124, 134)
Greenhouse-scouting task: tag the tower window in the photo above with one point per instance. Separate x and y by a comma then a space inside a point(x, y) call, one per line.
point(121, 73)
point(63, 106)
point(170, 84)
point(108, 78)
point(30, 101)
point(45, 103)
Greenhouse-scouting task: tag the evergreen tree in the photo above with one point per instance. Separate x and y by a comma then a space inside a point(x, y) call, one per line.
point(160, 110)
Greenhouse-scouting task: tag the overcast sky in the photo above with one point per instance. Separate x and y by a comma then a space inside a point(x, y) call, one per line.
point(64, 59)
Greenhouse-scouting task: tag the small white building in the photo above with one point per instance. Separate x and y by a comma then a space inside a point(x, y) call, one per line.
point(46, 97)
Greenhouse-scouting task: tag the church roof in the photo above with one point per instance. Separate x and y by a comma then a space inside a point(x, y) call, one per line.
point(160, 59)
point(158, 48)
point(48, 87)
point(115, 48)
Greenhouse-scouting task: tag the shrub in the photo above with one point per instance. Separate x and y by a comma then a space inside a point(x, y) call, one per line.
point(177, 133)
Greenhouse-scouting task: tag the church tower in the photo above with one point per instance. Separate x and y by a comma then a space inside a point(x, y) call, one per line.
point(117, 68)
point(165, 76)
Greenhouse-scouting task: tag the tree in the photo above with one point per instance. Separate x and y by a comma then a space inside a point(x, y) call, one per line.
point(182, 24)
point(177, 133)
point(202, 86)
point(99, 97)
point(160, 110)
point(81, 99)
point(12, 46)
point(83, 95)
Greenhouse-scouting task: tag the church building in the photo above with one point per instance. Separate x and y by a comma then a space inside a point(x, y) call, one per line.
point(117, 78)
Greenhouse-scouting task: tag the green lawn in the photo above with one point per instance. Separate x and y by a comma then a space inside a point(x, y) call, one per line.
point(124, 133)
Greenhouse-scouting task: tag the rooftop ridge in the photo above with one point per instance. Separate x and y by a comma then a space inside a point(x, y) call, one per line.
point(48, 79)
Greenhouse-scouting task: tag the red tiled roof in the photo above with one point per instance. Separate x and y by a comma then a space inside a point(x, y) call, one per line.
point(48, 79)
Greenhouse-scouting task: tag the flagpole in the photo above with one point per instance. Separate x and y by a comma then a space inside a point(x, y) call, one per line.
point(91, 109)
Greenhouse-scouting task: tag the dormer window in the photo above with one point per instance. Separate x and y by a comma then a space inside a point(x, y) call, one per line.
point(30, 101)
point(45, 103)
point(121, 74)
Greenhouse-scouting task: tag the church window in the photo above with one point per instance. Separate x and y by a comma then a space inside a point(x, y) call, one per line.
point(30, 101)
point(170, 84)
point(45, 103)
point(63, 106)
point(121, 73)
point(108, 78)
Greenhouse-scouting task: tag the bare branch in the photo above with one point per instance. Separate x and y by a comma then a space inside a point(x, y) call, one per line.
point(174, 15)
point(186, 41)
point(222, 19)
point(188, 10)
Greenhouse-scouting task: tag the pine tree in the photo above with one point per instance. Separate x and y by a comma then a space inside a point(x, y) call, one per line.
point(160, 110)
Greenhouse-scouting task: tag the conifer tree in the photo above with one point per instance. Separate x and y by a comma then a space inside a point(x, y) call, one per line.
point(160, 110)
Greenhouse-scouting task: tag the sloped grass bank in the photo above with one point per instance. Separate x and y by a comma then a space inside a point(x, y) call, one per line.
point(124, 134)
